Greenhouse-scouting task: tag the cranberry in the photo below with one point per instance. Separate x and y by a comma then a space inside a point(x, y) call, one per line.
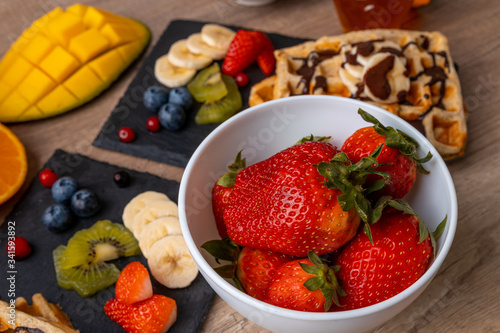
point(153, 123)
point(19, 248)
point(126, 134)
point(47, 177)
point(241, 79)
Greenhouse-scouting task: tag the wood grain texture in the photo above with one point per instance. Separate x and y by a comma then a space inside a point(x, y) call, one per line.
point(463, 297)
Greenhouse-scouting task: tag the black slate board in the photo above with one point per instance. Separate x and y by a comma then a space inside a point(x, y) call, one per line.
point(36, 273)
point(168, 147)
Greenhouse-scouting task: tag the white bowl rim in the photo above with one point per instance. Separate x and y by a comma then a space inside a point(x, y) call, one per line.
point(319, 316)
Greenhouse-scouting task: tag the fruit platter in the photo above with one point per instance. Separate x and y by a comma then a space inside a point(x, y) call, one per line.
point(248, 166)
point(109, 197)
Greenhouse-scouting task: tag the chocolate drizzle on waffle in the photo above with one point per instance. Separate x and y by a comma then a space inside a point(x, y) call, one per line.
point(308, 68)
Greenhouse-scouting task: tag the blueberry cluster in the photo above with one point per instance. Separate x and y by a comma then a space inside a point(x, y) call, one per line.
point(171, 106)
point(70, 201)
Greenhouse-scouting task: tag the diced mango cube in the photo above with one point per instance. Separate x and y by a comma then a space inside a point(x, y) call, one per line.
point(17, 71)
point(57, 101)
point(83, 83)
point(87, 45)
point(5, 89)
point(118, 33)
point(107, 65)
point(7, 60)
point(59, 64)
point(31, 113)
point(13, 106)
point(36, 85)
point(77, 9)
point(64, 27)
point(96, 18)
point(37, 48)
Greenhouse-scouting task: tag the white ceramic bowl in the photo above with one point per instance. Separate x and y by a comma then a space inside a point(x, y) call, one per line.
point(262, 131)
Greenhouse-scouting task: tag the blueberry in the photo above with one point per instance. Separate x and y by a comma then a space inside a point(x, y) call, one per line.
point(121, 178)
point(84, 203)
point(155, 97)
point(63, 189)
point(182, 97)
point(172, 116)
point(57, 218)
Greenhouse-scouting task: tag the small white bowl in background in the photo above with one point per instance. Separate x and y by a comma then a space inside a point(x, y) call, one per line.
point(264, 130)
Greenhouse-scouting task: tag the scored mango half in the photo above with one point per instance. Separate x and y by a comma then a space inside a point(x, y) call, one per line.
point(65, 59)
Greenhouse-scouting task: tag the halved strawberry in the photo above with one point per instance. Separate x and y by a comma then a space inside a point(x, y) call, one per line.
point(265, 58)
point(134, 284)
point(242, 52)
point(153, 315)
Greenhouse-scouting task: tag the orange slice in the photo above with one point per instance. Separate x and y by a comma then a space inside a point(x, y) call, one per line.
point(13, 164)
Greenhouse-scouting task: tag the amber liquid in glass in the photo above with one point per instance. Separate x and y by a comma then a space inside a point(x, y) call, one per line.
point(372, 14)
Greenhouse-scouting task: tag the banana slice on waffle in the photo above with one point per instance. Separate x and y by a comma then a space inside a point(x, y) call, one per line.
point(409, 73)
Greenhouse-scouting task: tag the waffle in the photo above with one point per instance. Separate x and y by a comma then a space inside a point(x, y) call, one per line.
point(408, 73)
point(41, 315)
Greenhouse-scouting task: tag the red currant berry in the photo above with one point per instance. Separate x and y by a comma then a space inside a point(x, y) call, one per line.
point(19, 247)
point(47, 177)
point(241, 79)
point(126, 134)
point(153, 123)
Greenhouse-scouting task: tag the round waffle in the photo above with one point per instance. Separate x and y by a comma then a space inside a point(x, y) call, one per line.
point(369, 65)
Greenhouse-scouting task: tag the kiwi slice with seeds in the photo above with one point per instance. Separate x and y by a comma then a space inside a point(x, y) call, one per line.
point(82, 265)
point(208, 85)
point(86, 280)
point(221, 110)
point(104, 241)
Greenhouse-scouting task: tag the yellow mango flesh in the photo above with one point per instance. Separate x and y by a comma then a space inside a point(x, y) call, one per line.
point(65, 59)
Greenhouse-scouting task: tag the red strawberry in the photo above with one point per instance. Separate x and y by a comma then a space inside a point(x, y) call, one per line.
point(372, 273)
point(398, 157)
point(153, 315)
point(134, 284)
point(305, 285)
point(255, 269)
point(282, 204)
point(221, 191)
point(242, 52)
point(251, 269)
point(265, 59)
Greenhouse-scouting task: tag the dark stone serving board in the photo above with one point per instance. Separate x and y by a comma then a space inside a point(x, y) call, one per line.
point(36, 273)
point(168, 147)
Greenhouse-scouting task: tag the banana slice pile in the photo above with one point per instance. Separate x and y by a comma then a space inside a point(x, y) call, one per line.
point(186, 56)
point(154, 220)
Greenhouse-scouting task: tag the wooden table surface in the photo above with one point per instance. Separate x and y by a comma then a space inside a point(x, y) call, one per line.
point(464, 295)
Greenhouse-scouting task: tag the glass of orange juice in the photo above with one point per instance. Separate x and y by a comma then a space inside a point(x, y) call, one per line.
point(372, 14)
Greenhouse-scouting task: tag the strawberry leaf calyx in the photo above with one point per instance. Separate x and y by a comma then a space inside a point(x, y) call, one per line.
point(324, 279)
point(399, 140)
point(227, 179)
point(350, 179)
point(313, 138)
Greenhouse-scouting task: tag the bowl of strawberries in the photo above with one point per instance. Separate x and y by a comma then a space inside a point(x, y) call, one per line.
point(317, 213)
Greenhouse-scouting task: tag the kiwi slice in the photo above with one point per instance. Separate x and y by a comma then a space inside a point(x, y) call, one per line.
point(221, 110)
point(81, 264)
point(208, 85)
point(103, 241)
point(86, 280)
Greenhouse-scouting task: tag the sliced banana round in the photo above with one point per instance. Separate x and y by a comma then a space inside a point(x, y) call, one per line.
point(172, 76)
point(180, 56)
point(170, 262)
point(217, 36)
point(139, 202)
point(196, 45)
point(156, 230)
point(151, 212)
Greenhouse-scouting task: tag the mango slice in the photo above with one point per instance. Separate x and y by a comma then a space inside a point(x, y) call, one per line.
point(65, 59)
